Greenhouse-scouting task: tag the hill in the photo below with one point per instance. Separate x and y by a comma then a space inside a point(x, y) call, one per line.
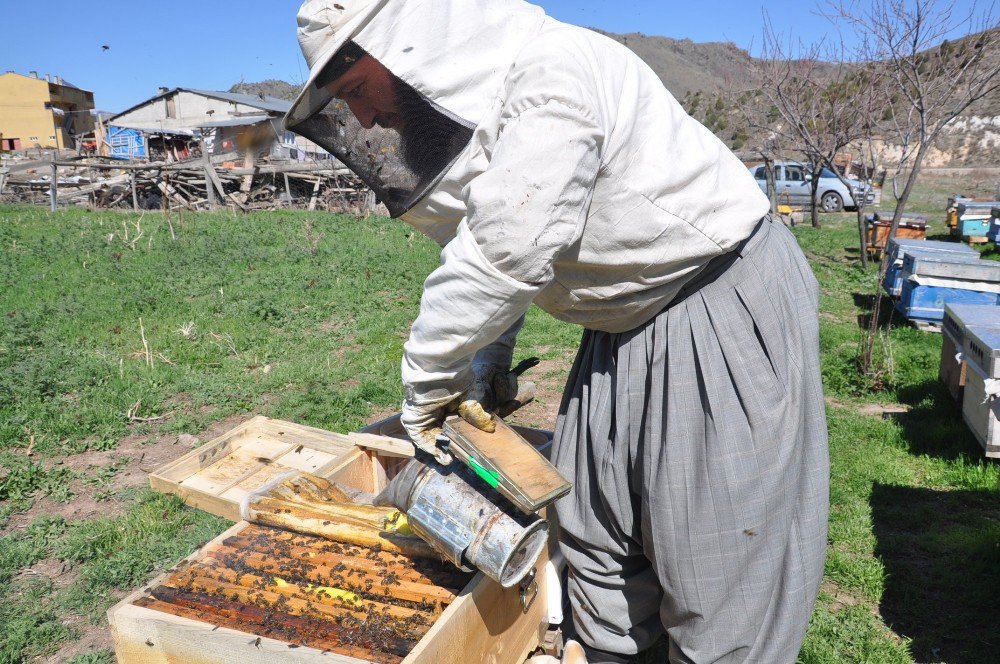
point(272, 87)
point(699, 75)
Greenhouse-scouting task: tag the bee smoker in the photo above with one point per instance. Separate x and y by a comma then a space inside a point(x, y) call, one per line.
point(466, 521)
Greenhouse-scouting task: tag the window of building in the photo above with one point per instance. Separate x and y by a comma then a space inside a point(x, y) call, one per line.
point(48, 105)
point(32, 138)
point(52, 138)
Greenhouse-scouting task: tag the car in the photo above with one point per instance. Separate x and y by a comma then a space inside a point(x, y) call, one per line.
point(792, 183)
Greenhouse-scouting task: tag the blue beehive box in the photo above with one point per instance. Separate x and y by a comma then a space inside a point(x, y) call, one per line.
point(974, 226)
point(926, 303)
point(899, 248)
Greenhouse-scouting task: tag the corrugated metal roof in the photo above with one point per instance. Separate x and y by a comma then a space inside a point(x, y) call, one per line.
point(237, 122)
point(272, 104)
point(257, 101)
point(160, 130)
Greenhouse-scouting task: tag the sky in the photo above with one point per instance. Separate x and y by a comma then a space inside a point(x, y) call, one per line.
point(212, 44)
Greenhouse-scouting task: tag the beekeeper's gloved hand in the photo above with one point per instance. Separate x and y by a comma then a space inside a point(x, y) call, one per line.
point(494, 384)
point(423, 416)
point(496, 387)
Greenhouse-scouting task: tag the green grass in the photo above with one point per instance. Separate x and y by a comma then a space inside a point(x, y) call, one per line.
point(302, 316)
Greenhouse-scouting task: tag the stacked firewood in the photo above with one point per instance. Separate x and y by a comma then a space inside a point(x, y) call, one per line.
point(189, 185)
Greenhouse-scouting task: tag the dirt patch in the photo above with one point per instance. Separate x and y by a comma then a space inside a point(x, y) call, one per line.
point(841, 599)
point(883, 410)
point(550, 378)
point(381, 413)
point(58, 572)
point(135, 456)
point(92, 638)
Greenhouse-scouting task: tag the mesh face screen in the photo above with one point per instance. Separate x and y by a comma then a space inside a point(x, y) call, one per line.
point(400, 165)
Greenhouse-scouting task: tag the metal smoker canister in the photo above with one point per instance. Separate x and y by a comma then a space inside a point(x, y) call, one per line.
point(467, 522)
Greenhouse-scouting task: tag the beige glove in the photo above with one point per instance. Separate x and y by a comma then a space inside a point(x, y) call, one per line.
point(423, 421)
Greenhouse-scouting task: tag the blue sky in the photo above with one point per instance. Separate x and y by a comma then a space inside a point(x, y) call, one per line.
point(212, 44)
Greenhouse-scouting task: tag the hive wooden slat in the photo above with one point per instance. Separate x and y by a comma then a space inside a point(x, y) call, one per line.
point(474, 619)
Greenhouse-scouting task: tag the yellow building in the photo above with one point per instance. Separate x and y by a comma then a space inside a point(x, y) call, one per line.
point(39, 112)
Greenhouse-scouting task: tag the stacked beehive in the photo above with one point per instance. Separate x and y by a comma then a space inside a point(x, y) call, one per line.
point(899, 248)
point(969, 218)
point(932, 279)
point(970, 367)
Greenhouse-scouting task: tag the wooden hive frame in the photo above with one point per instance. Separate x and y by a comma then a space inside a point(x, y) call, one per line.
point(499, 626)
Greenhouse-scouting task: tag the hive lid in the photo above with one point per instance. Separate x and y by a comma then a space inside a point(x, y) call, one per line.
point(218, 475)
point(900, 247)
point(508, 463)
point(952, 266)
point(958, 317)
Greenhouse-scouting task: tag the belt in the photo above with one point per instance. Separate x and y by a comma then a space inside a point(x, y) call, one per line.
point(716, 267)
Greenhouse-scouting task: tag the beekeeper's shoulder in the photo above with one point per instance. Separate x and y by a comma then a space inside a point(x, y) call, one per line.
point(564, 64)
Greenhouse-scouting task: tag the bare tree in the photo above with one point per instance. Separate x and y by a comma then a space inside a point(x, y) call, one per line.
point(933, 80)
point(824, 101)
point(753, 118)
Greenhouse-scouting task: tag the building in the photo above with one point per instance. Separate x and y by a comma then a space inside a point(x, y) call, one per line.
point(42, 112)
point(159, 124)
point(228, 122)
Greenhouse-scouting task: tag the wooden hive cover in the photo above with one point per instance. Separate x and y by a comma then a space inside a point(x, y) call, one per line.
point(218, 475)
point(517, 469)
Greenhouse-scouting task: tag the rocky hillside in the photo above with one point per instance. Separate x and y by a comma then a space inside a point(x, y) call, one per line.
point(684, 66)
point(699, 75)
point(272, 87)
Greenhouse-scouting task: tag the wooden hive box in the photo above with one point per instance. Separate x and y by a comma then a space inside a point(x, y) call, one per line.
point(981, 349)
point(957, 319)
point(877, 231)
point(899, 248)
point(257, 594)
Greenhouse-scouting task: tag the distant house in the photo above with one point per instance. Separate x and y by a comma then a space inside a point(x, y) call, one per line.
point(175, 116)
point(42, 112)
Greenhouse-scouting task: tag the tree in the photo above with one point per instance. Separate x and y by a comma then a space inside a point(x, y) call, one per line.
point(823, 100)
point(932, 80)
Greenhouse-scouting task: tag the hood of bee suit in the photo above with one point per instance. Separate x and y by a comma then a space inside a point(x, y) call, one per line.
point(450, 58)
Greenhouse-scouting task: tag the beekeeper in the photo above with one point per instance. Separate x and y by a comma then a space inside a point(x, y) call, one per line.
point(554, 168)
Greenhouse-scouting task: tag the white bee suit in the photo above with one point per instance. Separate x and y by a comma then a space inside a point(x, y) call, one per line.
point(572, 179)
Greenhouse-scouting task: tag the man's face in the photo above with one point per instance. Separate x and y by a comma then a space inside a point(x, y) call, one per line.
point(368, 90)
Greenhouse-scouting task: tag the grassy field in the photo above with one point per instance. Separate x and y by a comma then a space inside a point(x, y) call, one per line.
point(116, 348)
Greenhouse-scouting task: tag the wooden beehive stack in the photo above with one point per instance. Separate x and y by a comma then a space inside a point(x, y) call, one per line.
point(957, 319)
point(930, 281)
point(981, 348)
point(259, 594)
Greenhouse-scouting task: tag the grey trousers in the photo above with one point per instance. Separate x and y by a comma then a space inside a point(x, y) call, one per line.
point(697, 445)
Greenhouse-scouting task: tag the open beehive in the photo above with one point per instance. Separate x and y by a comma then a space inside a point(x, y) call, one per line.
point(262, 594)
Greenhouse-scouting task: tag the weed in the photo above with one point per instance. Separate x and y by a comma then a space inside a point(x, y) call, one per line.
point(98, 657)
point(24, 479)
